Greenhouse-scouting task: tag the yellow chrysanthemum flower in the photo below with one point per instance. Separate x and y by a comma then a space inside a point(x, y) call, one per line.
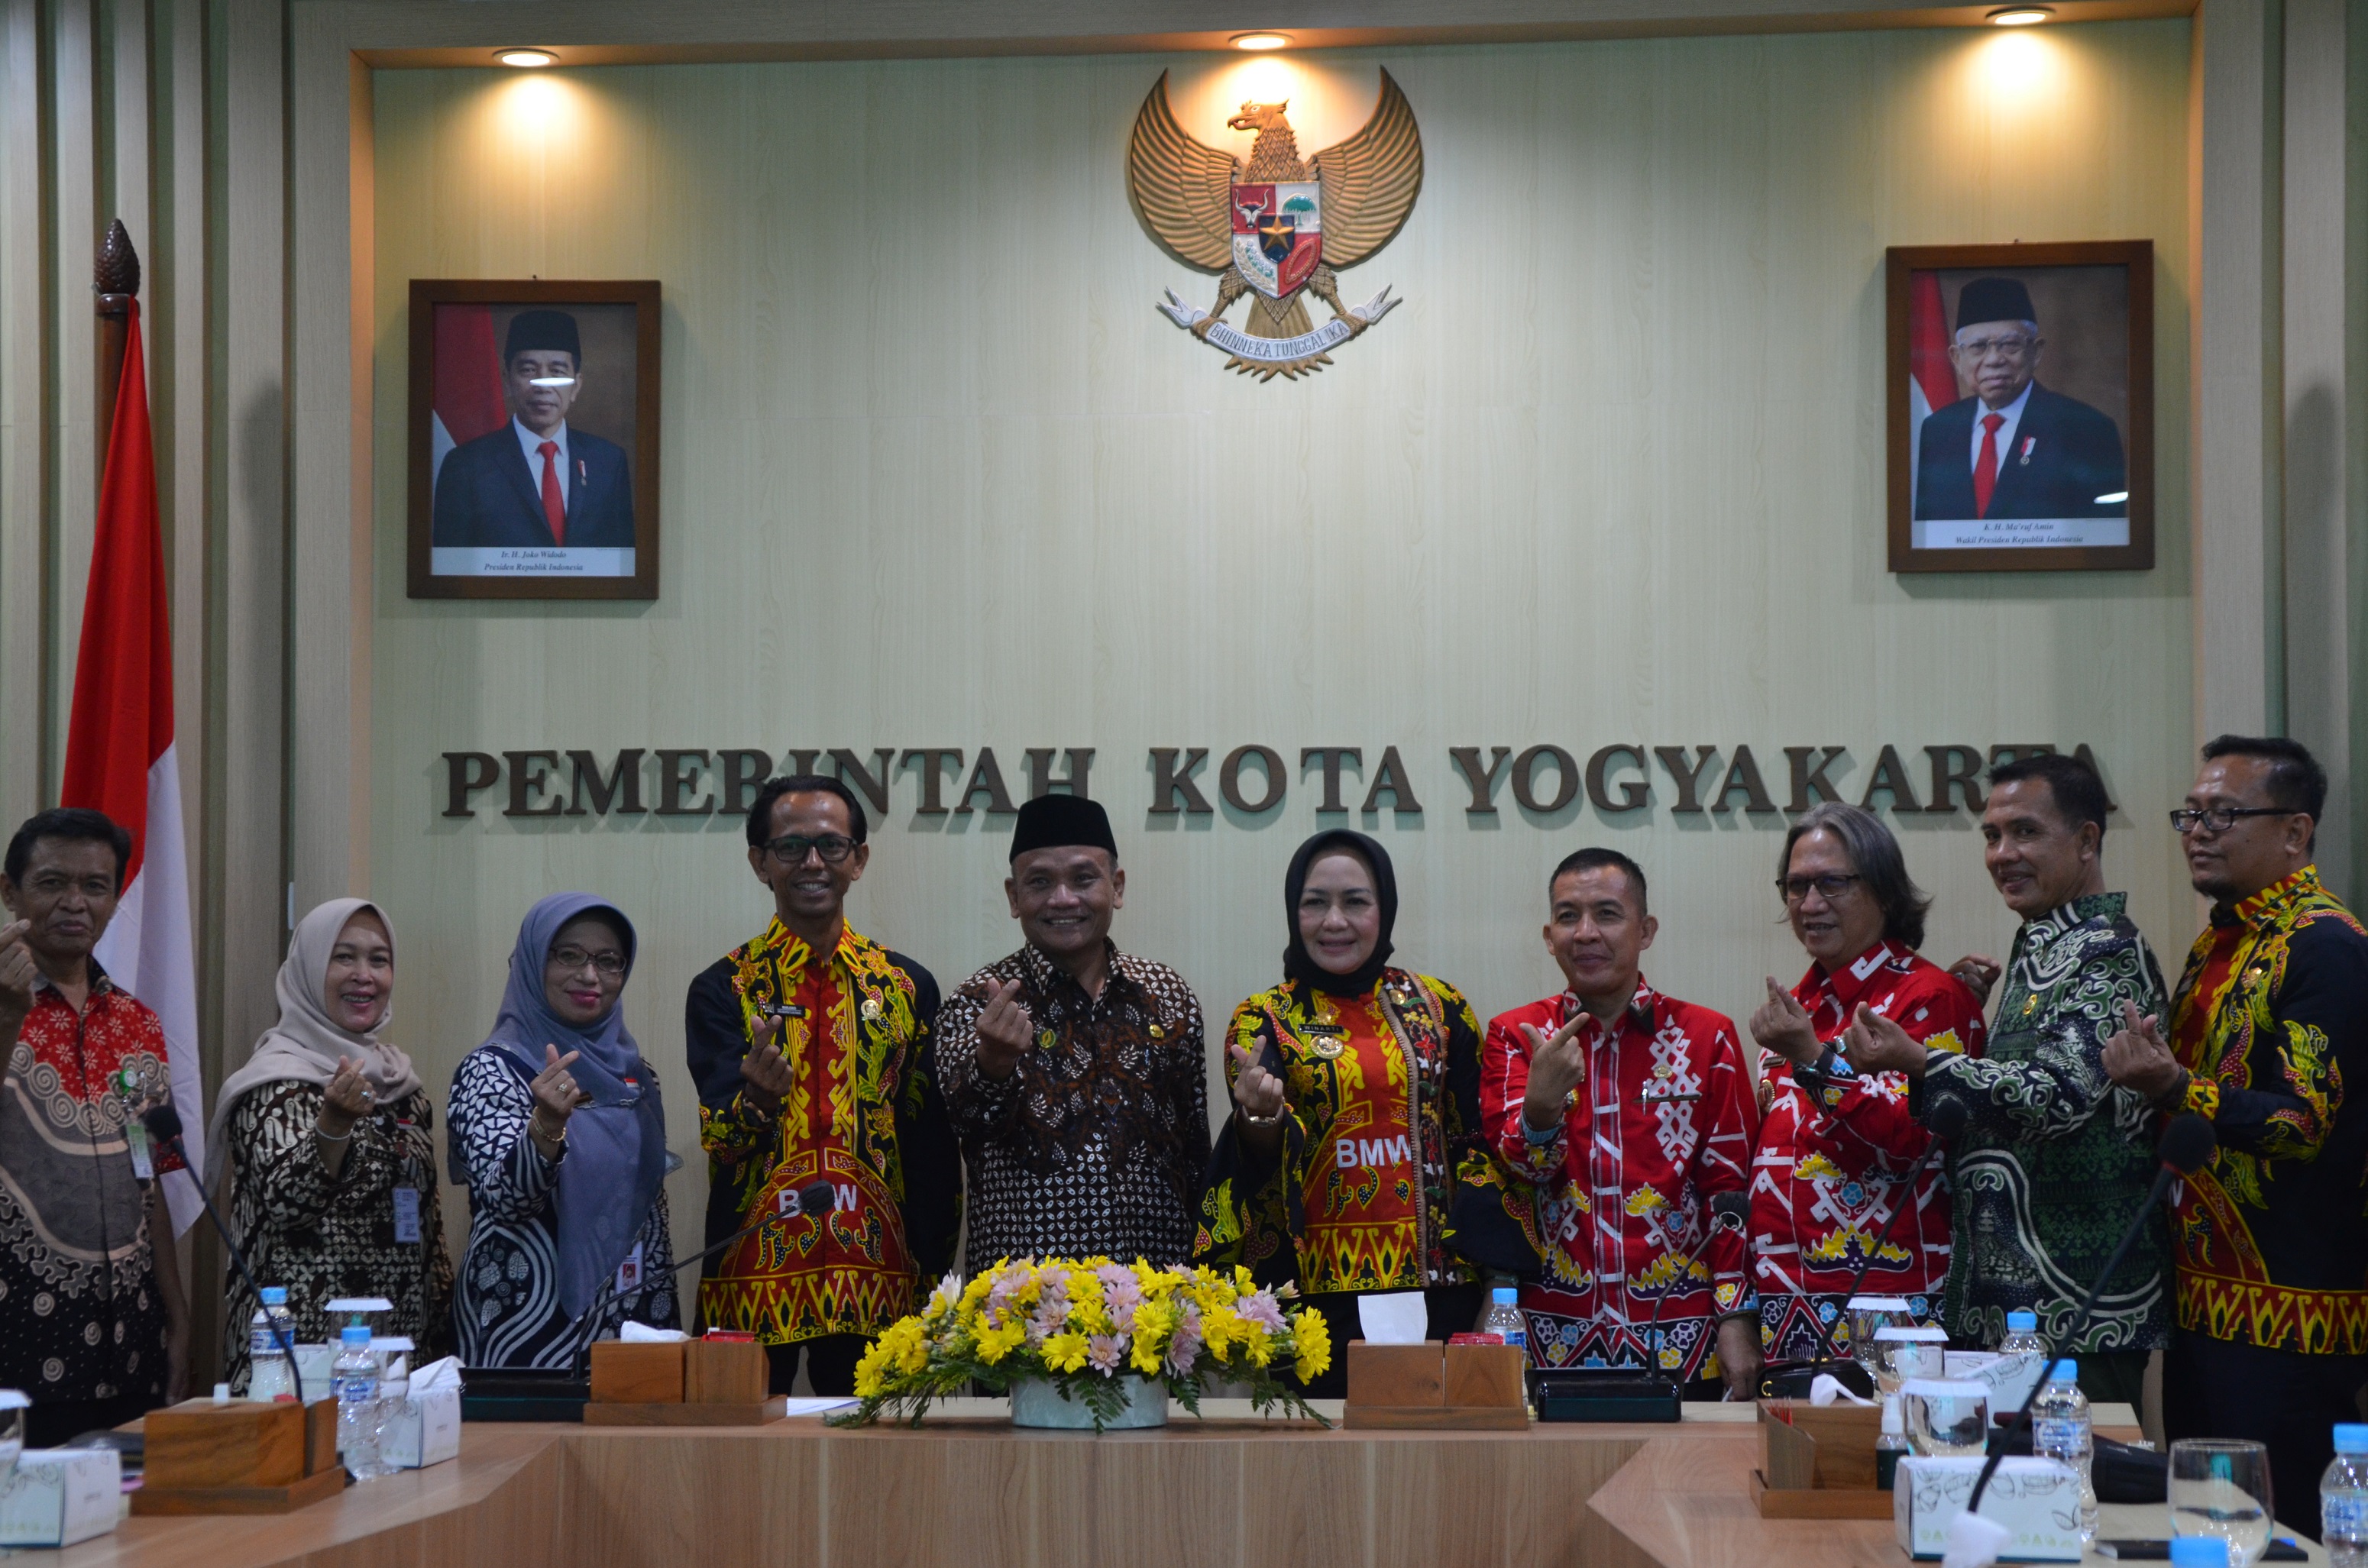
point(1064, 1352)
point(995, 1344)
point(1313, 1341)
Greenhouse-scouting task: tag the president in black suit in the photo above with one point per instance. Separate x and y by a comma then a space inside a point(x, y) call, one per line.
point(2013, 450)
point(535, 482)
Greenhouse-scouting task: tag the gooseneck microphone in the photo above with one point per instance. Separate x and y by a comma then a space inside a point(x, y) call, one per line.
point(812, 1198)
point(1728, 1211)
point(1947, 1123)
point(163, 1125)
point(2187, 1144)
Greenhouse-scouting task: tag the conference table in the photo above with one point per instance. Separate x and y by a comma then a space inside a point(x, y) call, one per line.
point(965, 1487)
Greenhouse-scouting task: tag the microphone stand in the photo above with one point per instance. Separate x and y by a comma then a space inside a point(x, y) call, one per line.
point(1722, 1216)
point(1948, 1126)
point(164, 1126)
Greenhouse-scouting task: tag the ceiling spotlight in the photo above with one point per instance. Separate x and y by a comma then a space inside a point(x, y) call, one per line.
point(1261, 40)
point(2021, 16)
point(526, 57)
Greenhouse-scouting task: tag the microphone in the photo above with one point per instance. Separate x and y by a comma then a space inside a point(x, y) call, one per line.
point(812, 1198)
point(1947, 1123)
point(163, 1125)
point(1728, 1211)
point(2187, 1146)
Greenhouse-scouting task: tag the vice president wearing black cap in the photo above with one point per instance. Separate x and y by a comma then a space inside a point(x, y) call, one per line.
point(535, 482)
point(1074, 1072)
point(2013, 450)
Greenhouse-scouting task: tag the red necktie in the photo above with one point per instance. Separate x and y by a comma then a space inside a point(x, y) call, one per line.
point(1984, 466)
point(554, 510)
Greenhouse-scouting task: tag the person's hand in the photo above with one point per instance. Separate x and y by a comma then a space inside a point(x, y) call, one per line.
point(767, 1068)
point(555, 1095)
point(1257, 1092)
point(17, 973)
point(1977, 973)
point(1782, 1025)
point(2137, 1058)
point(346, 1100)
point(1557, 1065)
point(1739, 1361)
point(1005, 1029)
point(1875, 1044)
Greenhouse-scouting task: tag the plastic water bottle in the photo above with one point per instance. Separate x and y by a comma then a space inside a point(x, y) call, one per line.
point(269, 1376)
point(1504, 1317)
point(2343, 1500)
point(356, 1374)
point(1891, 1444)
point(2022, 1357)
point(2198, 1552)
point(2060, 1431)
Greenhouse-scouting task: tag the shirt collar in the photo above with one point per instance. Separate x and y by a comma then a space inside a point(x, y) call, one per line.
point(791, 952)
point(1849, 982)
point(533, 443)
point(1638, 1014)
point(2268, 908)
point(2107, 906)
point(1046, 975)
point(100, 983)
point(2013, 411)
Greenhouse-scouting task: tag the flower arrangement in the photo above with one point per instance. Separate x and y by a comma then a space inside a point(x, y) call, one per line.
point(1083, 1326)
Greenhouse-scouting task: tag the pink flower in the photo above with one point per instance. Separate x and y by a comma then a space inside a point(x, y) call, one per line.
point(1104, 1351)
point(1184, 1345)
point(1260, 1308)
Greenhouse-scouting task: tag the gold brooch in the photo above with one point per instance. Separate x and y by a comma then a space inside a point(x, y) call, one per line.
point(871, 1009)
point(1045, 1038)
point(1158, 1033)
point(1327, 1046)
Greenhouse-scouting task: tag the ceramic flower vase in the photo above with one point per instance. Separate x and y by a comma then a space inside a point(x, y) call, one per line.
point(1039, 1402)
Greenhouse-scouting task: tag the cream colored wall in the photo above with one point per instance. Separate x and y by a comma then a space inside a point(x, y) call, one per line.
point(935, 473)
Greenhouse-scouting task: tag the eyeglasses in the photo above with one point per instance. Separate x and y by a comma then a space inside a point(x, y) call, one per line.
point(570, 960)
point(2013, 346)
point(2220, 819)
point(791, 848)
point(1829, 887)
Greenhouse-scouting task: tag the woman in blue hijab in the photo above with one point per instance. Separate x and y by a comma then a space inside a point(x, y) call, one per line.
point(558, 1133)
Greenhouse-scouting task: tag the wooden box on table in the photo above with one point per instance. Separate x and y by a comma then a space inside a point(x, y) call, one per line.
point(695, 1382)
point(1821, 1463)
point(1447, 1387)
point(239, 1458)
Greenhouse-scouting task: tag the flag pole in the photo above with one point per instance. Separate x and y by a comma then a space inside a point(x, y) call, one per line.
point(116, 285)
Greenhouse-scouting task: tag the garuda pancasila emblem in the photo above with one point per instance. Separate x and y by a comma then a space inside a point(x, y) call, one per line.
point(1277, 228)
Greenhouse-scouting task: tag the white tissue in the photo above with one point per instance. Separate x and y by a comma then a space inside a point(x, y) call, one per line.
point(642, 1333)
point(1974, 1541)
point(1825, 1389)
point(1402, 1318)
point(443, 1374)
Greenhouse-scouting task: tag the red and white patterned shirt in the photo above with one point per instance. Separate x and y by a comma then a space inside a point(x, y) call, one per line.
point(1827, 1172)
point(1662, 1121)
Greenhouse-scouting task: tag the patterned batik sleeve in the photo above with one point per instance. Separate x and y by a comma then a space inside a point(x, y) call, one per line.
point(1867, 1121)
point(2061, 1086)
point(1251, 1211)
point(508, 1178)
point(2297, 1065)
point(715, 1038)
point(979, 1107)
point(1504, 1086)
point(1722, 1164)
point(1192, 1089)
point(279, 1160)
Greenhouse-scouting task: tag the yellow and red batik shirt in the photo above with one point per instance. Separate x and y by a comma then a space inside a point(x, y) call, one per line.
point(2270, 1019)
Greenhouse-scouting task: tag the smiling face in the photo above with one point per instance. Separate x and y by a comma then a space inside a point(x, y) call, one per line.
point(541, 408)
point(1064, 898)
point(68, 896)
point(361, 974)
point(1834, 927)
point(2039, 860)
point(2253, 852)
point(586, 971)
point(1597, 935)
point(1340, 912)
point(810, 891)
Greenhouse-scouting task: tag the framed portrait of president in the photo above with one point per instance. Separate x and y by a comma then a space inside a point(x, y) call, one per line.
point(2021, 381)
point(533, 439)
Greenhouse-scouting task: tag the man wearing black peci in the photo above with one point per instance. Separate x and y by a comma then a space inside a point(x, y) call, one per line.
point(536, 481)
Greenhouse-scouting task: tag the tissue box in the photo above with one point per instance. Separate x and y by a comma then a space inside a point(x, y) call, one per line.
point(426, 1431)
point(2037, 1500)
point(59, 1496)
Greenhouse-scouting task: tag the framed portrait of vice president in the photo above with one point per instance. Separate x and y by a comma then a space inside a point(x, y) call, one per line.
point(533, 439)
point(2021, 385)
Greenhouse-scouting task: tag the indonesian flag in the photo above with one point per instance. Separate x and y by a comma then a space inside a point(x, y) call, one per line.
point(467, 399)
point(119, 756)
point(1931, 379)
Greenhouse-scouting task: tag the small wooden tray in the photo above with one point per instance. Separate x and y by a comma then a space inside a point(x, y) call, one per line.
point(597, 1413)
point(1819, 1503)
point(1437, 1417)
point(318, 1487)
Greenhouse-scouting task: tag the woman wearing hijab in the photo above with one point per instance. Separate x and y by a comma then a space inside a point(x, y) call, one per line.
point(559, 1134)
point(1356, 1104)
point(330, 1139)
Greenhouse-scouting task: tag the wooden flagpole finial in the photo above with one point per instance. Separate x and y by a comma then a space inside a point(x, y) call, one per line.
point(117, 276)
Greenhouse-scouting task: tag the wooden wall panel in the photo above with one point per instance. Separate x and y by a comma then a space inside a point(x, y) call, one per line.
point(24, 333)
point(937, 473)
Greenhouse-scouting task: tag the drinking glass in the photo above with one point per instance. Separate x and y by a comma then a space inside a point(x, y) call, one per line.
point(1947, 1418)
point(1902, 1353)
point(2222, 1488)
point(1867, 1314)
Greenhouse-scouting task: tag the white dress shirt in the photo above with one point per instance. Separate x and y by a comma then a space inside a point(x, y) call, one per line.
point(532, 443)
point(2014, 412)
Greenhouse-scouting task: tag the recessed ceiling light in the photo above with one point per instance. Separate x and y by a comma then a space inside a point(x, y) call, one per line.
point(2021, 16)
point(1261, 40)
point(526, 57)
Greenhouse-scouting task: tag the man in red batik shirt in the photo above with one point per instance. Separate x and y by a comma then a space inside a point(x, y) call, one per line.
point(1835, 1147)
point(1627, 1111)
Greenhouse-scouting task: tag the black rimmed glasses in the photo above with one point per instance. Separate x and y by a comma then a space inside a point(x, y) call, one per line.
point(1829, 887)
point(571, 959)
point(791, 848)
point(2220, 819)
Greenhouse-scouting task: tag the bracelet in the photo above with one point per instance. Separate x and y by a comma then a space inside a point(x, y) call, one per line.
point(346, 1137)
point(1274, 1121)
point(534, 1127)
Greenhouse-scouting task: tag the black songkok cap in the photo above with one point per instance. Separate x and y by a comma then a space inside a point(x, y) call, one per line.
point(1994, 298)
point(1058, 822)
point(543, 329)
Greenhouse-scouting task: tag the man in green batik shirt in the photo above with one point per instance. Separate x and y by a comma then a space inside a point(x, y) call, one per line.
point(2055, 1159)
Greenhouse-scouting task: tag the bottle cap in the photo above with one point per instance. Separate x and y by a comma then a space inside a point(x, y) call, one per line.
point(1893, 1422)
point(1505, 1295)
point(275, 1295)
point(2198, 1552)
point(2021, 1322)
point(354, 1336)
point(2351, 1437)
point(2066, 1370)
point(222, 1393)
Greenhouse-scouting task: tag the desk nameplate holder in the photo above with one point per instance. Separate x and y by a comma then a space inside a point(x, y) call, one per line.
point(683, 1382)
point(239, 1458)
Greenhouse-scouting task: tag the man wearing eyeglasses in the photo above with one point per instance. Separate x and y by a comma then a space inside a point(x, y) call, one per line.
point(2267, 1038)
point(809, 1045)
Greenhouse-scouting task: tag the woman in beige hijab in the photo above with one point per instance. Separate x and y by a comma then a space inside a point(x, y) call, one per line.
point(330, 1139)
